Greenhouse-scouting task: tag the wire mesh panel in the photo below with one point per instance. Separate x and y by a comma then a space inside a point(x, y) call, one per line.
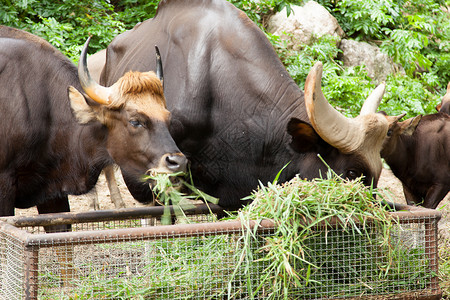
point(12, 271)
point(116, 258)
point(165, 268)
point(358, 264)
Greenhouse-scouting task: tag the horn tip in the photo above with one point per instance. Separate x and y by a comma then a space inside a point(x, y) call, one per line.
point(318, 65)
point(87, 41)
point(382, 86)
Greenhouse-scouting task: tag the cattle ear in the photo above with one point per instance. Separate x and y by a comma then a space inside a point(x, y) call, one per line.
point(304, 137)
point(83, 112)
point(410, 125)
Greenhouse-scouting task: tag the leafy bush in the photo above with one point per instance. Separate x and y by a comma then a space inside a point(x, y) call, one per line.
point(346, 88)
point(415, 34)
point(258, 11)
point(65, 24)
point(131, 12)
point(405, 94)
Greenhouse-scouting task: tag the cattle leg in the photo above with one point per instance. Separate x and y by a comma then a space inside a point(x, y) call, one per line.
point(55, 205)
point(7, 194)
point(116, 198)
point(6, 210)
point(435, 195)
point(92, 198)
point(64, 253)
point(411, 199)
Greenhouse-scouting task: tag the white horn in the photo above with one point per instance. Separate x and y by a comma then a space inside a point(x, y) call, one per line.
point(372, 102)
point(337, 130)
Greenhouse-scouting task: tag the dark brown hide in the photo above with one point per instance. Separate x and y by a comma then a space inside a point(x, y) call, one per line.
point(230, 98)
point(45, 153)
point(418, 153)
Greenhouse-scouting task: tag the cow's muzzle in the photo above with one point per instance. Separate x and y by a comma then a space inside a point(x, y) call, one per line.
point(174, 162)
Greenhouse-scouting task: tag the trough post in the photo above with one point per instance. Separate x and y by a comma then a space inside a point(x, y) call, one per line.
point(431, 250)
point(31, 272)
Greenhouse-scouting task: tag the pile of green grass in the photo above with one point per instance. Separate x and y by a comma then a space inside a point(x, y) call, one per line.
point(332, 239)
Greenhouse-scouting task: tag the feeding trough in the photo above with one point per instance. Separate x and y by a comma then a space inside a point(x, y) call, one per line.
point(115, 254)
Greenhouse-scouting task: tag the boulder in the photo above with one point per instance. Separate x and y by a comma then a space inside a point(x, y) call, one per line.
point(377, 64)
point(303, 24)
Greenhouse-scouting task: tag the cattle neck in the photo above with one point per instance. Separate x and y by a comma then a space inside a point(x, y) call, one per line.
point(87, 155)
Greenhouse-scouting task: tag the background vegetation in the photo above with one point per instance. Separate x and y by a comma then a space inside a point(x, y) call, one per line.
point(416, 34)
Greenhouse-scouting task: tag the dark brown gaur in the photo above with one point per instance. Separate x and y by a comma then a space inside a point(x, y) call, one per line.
point(61, 128)
point(236, 113)
point(418, 153)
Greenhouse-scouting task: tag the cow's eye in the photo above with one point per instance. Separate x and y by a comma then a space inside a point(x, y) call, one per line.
point(389, 133)
point(352, 174)
point(135, 123)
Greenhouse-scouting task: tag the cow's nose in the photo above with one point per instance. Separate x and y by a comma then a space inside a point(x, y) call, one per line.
point(176, 162)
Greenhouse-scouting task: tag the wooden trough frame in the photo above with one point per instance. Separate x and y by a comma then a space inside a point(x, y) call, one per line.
point(31, 243)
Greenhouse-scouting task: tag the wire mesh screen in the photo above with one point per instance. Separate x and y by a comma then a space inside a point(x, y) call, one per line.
point(353, 264)
point(165, 268)
point(139, 258)
point(12, 257)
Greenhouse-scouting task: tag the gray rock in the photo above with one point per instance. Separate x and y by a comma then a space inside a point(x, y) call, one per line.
point(377, 64)
point(303, 24)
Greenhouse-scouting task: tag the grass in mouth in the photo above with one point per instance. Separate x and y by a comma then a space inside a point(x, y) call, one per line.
point(174, 189)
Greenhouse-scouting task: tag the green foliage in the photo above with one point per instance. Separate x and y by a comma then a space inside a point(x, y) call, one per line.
point(298, 63)
point(344, 87)
point(364, 18)
point(405, 94)
point(348, 87)
point(405, 47)
point(415, 34)
point(130, 12)
point(65, 24)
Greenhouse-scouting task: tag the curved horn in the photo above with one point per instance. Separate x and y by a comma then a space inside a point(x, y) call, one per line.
point(95, 91)
point(372, 102)
point(159, 68)
point(339, 131)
